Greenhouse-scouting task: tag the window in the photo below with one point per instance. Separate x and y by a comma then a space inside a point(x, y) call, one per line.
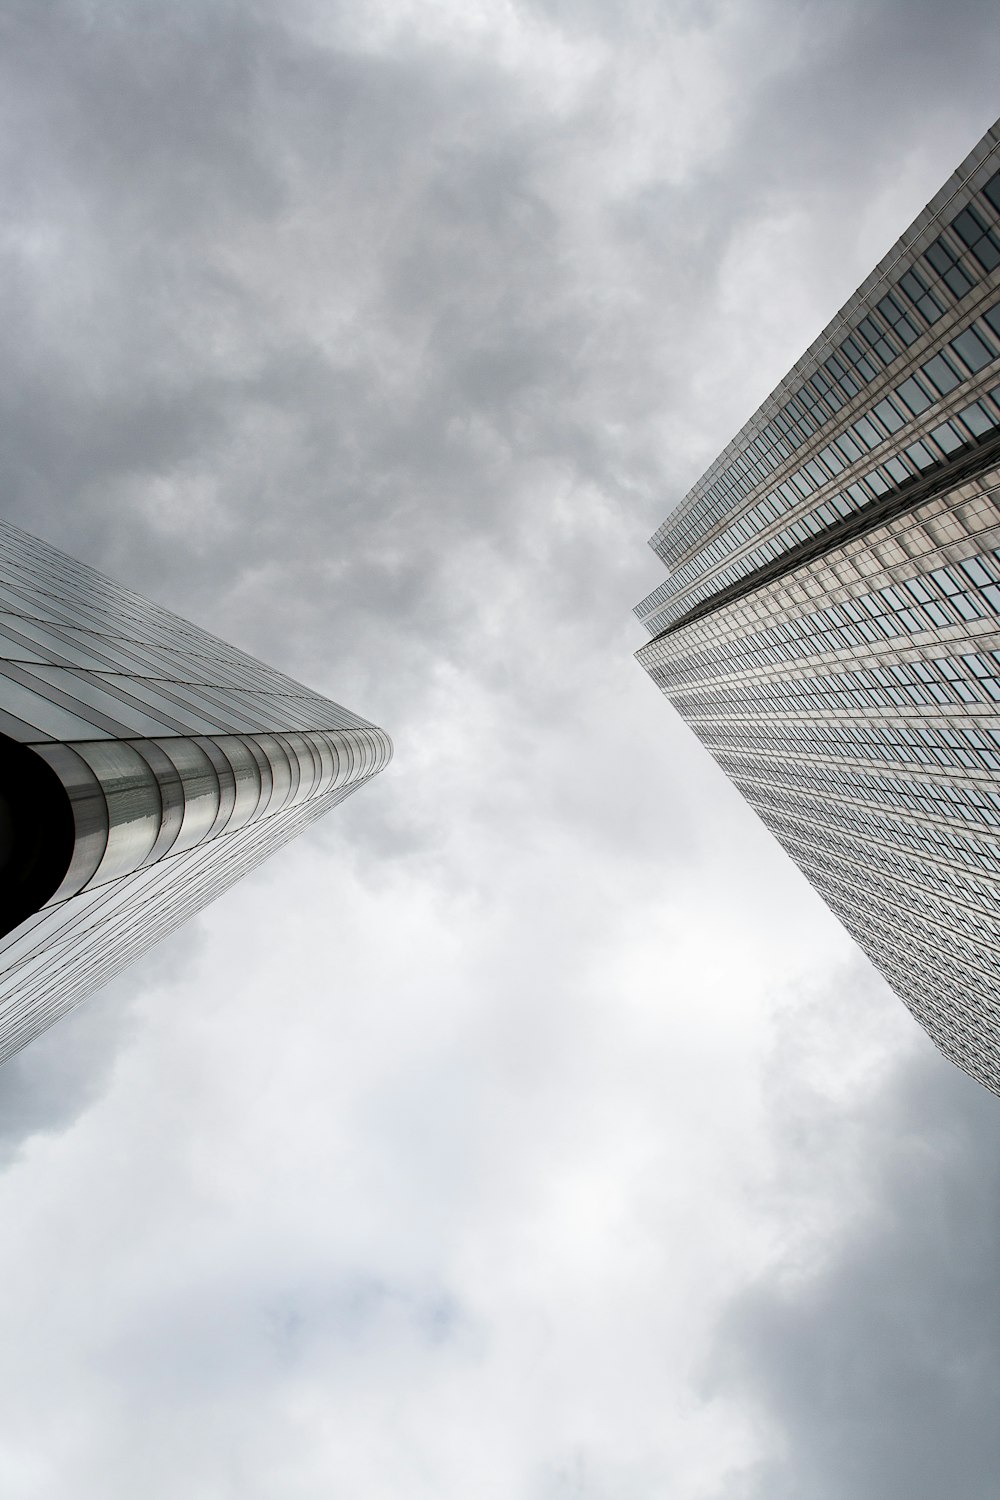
point(947, 438)
point(992, 318)
point(913, 284)
point(977, 572)
point(979, 238)
point(896, 470)
point(920, 455)
point(977, 419)
point(856, 356)
point(811, 409)
point(946, 582)
point(787, 423)
point(913, 394)
point(801, 420)
point(898, 319)
point(825, 390)
point(842, 376)
point(888, 414)
point(922, 594)
point(992, 191)
point(880, 342)
point(945, 262)
point(941, 373)
point(973, 350)
point(831, 458)
point(866, 433)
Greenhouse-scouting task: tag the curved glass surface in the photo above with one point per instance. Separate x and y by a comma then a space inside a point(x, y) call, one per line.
point(90, 815)
point(172, 794)
point(136, 802)
point(134, 805)
point(246, 771)
point(200, 784)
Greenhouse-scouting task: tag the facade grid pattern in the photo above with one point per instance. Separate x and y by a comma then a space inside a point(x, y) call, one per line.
point(176, 763)
point(831, 627)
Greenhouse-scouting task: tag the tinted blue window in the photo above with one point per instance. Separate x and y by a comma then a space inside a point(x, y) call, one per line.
point(947, 438)
point(973, 350)
point(916, 288)
point(866, 433)
point(977, 419)
point(889, 415)
point(898, 319)
point(978, 238)
point(942, 257)
point(941, 373)
point(913, 395)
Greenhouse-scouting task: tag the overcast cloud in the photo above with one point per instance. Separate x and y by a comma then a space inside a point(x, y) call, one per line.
point(528, 1128)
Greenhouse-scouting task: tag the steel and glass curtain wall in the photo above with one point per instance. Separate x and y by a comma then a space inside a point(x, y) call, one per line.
point(830, 625)
point(144, 767)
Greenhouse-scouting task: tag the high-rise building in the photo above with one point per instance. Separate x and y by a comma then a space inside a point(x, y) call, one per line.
point(830, 625)
point(146, 766)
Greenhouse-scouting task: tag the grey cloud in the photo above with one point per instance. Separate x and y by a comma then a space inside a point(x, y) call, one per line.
point(45, 1088)
point(873, 1364)
point(407, 431)
point(382, 351)
point(49, 1085)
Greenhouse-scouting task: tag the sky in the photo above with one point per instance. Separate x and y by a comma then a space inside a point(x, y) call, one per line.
point(527, 1130)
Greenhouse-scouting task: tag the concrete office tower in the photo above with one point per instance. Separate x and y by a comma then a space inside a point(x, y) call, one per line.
point(830, 626)
point(144, 767)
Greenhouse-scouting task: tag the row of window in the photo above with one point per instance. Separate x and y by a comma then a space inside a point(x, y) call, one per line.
point(38, 582)
point(937, 922)
point(901, 870)
point(112, 639)
point(70, 683)
point(912, 398)
point(938, 377)
point(56, 581)
point(961, 845)
point(39, 701)
point(971, 678)
point(943, 884)
point(955, 946)
point(928, 797)
point(940, 1009)
point(949, 983)
point(913, 303)
point(884, 744)
point(109, 631)
point(947, 596)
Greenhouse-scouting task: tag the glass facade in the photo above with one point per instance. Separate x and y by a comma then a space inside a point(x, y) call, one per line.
point(830, 628)
point(146, 767)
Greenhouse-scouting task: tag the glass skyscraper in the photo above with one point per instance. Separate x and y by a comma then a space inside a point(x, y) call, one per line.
point(830, 623)
point(146, 766)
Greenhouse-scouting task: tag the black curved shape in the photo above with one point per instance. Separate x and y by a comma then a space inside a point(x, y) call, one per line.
point(37, 833)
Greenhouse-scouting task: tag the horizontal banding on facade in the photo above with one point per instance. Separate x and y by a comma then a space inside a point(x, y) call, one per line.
point(137, 801)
